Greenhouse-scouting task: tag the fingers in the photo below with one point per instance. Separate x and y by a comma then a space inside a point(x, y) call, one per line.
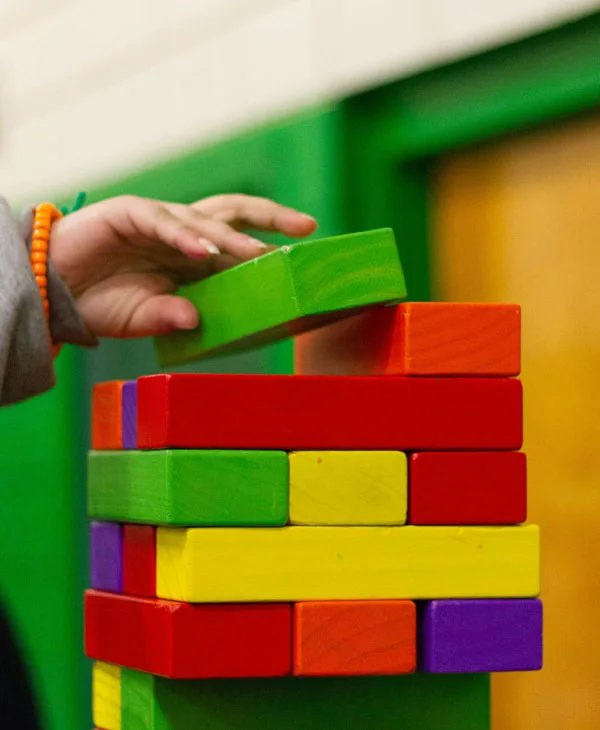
point(208, 228)
point(141, 222)
point(161, 315)
point(218, 236)
point(246, 211)
point(136, 305)
point(183, 232)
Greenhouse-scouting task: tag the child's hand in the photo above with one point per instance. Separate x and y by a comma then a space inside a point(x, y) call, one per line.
point(123, 258)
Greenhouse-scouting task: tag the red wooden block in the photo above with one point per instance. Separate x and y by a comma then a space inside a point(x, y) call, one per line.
point(417, 338)
point(188, 641)
point(467, 488)
point(139, 560)
point(107, 415)
point(312, 412)
point(354, 637)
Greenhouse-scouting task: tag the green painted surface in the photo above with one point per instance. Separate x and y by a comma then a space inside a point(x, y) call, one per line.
point(138, 709)
point(42, 531)
point(413, 702)
point(189, 487)
point(354, 270)
point(286, 292)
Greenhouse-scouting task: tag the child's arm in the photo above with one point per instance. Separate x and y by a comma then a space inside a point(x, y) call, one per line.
point(113, 269)
point(26, 366)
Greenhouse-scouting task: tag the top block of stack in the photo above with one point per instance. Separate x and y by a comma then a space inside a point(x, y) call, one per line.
point(285, 292)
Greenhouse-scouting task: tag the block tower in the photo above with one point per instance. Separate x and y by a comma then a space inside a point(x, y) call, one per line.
point(338, 548)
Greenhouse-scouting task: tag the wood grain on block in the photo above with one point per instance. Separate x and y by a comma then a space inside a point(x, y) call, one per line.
point(354, 637)
point(107, 409)
point(346, 563)
point(189, 487)
point(185, 641)
point(336, 703)
point(106, 556)
point(289, 290)
point(348, 488)
point(300, 413)
point(139, 560)
point(129, 415)
point(106, 696)
point(467, 488)
point(481, 636)
point(417, 338)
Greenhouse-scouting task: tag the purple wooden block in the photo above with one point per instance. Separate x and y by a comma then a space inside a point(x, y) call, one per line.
point(129, 415)
point(106, 556)
point(481, 635)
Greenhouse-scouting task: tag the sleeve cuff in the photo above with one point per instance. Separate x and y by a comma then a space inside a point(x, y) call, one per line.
point(66, 324)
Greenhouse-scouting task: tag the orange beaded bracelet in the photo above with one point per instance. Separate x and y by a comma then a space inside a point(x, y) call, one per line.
point(44, 216)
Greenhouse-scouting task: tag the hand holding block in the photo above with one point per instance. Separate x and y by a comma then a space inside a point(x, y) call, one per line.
point(185, 641)
point(287, 291)
point(417, 338)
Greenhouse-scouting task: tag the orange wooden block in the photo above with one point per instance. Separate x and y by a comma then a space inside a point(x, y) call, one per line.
point(107, 415)
point(418, 338)
point(354, 637)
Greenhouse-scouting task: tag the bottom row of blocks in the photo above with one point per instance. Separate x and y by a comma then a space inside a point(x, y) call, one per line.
point(129, 700)
point(320, 638)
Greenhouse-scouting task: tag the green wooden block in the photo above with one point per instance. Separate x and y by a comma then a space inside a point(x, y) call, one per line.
point(410, 702)
point(285, 292)
point(189, 487)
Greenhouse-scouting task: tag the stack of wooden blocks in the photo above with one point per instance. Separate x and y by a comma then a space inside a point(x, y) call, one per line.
point(340, 548)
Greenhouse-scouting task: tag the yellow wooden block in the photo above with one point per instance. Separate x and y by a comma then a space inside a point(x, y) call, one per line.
point(348, 488)
point(319, 563)
point(106, 696)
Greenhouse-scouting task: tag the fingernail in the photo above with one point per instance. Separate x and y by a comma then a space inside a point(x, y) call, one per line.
point(258, 244)
point(209, 246)
point(197, 253)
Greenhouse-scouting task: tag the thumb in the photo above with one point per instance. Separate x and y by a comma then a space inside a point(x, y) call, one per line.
point(160, 315)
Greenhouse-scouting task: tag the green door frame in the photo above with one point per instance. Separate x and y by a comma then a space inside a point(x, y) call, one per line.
point(392, 133)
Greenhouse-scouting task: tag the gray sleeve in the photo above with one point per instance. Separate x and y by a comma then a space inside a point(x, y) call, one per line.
point(26, 365)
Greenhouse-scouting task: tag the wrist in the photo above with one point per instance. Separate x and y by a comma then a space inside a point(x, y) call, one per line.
point(44, 217)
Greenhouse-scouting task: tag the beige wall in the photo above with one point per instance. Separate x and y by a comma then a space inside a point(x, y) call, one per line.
point(91, 89)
